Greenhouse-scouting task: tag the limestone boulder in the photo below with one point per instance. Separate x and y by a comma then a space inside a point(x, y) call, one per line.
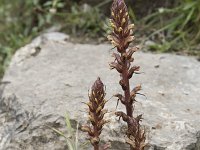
point(51, 77)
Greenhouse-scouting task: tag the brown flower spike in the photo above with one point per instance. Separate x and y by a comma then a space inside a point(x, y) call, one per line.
point(96, 113)
point(121, 37)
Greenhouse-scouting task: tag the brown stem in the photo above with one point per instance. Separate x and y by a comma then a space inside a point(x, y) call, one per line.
point(96, 147)
point(129, 110)
point(125, 78)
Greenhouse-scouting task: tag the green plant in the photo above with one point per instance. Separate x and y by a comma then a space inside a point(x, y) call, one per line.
point(20, 22)
point(71, 138)
point(179, 25)
point(121, 37)
point(85, 20)
point(96, 114)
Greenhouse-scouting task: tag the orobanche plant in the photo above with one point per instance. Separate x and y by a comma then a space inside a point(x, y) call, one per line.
point(96, 114)
point(121, 37)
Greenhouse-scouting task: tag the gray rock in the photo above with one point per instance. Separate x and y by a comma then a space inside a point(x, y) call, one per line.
point(51, 76)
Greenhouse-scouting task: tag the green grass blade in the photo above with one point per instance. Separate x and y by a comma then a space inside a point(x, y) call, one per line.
point(69, 142)
point(76, 140)
point(68, 123)
point(70, 145)
point(57, 131)
point(189, 16)
point(103, 3)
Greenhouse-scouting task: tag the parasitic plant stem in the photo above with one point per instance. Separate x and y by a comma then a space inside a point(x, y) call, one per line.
point(120, 38)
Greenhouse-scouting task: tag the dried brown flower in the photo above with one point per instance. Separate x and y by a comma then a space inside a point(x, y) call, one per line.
point(96, 113)
point(121, 37)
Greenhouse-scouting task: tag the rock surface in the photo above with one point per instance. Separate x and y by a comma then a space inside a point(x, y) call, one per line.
point(51, 76)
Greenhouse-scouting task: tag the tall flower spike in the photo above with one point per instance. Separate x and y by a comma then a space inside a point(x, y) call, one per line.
point(121, 37)
point(96, 113)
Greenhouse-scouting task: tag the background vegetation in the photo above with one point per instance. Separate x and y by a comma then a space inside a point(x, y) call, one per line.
point(165, 26)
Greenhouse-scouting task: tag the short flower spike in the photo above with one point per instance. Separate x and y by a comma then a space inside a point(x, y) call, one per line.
point(96, 113)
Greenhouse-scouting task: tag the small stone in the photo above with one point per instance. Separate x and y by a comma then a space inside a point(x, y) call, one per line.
point(149, 43)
